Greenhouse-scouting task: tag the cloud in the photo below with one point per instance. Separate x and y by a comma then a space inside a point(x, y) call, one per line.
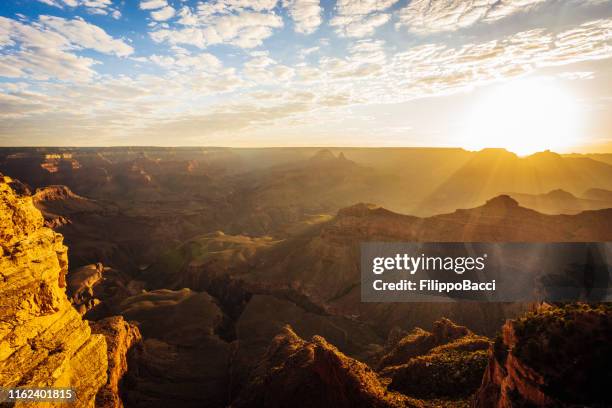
point(163, 14)
point(180, 61)
point(45, 49)
point(264, 69)
point(435, 69)
point(160, 10)
point(360, 18)
point(306, 14)
point(368, 51)
point(102, 7)
point(429, 70)
point(189, 89)
point(432, 16)
point(86, 35)
point(44, 64)
point(219, 125)
point(153, 4)
point(245, 24)
point(16, 105)
point(127, 111)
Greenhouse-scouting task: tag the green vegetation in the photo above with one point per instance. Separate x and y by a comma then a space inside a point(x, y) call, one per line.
point(226, 250)
point(452, 370)
point(570, 347)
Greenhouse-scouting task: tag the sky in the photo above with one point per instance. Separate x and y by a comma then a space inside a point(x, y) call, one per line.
point(521, 74)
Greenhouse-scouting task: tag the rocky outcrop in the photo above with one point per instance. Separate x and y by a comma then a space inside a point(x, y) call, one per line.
point(451, 371)
point(81, 283)
point(265, 316)
point(419, 342)
point(53, 193)
point(314, 373)
point(96, 290)
point(43, 340)
point(447, 363)
point(554, 357)
point(121, 337)
point(59, 205)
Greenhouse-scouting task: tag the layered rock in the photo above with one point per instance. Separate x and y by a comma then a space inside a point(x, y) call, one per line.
point(314, 373)
point(554, 357)
point(81, 283)
point(96, 290)
point(59, 205)
point(121, 338)
point(53, 193)
point(43, 340)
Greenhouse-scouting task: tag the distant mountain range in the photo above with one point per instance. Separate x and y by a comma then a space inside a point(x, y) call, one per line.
point(563, 202)
point(278, 186)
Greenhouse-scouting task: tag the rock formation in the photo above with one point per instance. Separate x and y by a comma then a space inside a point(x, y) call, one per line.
point(121, 338)
point(96, 290)
point(81, 283)
point(182, 357)
point(314, 373)
point(419, 342)
point(43, 340)
point(554, 357)
point(447, 363)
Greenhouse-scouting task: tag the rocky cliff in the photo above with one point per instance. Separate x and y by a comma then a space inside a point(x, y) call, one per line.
point(43, 340)
point(554, 357)
point(121, 338)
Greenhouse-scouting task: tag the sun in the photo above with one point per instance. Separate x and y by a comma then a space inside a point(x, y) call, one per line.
point(524, 116)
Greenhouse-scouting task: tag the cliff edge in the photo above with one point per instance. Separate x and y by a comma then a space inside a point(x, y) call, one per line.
point(43, 340)
point(554, 357)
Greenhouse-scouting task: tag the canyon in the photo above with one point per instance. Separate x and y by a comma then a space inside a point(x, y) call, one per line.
point(229, 277)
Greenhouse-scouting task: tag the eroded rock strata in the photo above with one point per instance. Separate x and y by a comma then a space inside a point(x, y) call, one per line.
point(123, 340)
point(43, 340)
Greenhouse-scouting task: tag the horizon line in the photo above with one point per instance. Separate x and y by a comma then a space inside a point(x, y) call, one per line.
point(295, 147)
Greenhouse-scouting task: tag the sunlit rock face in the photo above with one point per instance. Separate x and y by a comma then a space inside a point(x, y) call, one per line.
point(43, 340)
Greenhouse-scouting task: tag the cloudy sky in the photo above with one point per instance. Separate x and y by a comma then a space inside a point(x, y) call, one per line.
point(304, 72)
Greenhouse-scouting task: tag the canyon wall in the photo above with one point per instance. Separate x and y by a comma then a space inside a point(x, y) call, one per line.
point(44, 342)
